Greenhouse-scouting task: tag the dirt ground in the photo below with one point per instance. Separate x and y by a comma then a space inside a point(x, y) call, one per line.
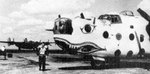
point(27, 63)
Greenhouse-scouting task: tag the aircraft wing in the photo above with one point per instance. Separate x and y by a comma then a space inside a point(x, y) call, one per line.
point(48, 43)
point(10, 42)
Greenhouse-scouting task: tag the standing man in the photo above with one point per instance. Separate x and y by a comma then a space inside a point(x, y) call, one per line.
point(3, 52)
point(42, 56)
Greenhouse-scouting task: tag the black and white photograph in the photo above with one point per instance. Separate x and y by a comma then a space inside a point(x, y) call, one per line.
point(74, 36)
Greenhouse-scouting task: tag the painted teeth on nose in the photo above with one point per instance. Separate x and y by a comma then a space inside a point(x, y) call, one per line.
point(75, 47)
point(69, 45)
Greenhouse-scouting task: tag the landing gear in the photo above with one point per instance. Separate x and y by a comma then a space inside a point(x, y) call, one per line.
point(109, 62)
point(114, 62)
point(141, 54)
point(97, 63)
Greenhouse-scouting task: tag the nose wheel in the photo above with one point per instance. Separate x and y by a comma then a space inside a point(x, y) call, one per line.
point(141, 54)
point(109, 62)
point(97, 63)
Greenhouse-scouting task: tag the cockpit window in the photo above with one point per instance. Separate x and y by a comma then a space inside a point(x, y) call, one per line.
point(127, 13)
point(114, 19)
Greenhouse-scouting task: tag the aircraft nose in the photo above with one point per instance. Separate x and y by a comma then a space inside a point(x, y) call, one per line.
point(63, 26)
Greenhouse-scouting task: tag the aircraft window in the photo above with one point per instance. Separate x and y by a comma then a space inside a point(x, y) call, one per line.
point(129, 54)
point(105, 34)
point(131, 26)
point(127, 13)
point(115, 19)
point(118, 36)
point(112, 18)
point(141, 38)
point(131, 36)
point(117, 53)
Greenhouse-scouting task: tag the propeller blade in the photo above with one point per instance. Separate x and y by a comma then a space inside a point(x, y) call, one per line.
point(144, 14)
point(9, 40)
point(94, 20)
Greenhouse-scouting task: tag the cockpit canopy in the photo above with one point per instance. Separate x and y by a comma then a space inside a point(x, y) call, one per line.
point(127, 13)
point(114, 19)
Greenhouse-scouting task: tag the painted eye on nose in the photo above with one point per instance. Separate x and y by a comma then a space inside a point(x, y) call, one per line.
point(88, 28)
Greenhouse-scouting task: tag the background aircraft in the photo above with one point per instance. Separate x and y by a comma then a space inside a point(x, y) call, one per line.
point(26, 44)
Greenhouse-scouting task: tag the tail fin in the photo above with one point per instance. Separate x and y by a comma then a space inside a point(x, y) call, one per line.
point(40, 41)
point(9, 41)
point(25, 40)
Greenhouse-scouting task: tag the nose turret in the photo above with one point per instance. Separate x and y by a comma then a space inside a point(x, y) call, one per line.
point(63, 26)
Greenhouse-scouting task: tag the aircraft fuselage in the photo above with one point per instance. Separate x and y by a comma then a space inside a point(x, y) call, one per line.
point(107, 36)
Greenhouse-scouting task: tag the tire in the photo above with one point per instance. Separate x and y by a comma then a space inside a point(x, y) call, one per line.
point(114, 62)
point(117, 62)
point(87, 57)
point(97, 63)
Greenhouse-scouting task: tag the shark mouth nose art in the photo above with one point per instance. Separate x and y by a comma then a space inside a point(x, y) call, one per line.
point(63, 43)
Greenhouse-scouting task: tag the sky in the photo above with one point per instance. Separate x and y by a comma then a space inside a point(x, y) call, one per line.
point(21, 19)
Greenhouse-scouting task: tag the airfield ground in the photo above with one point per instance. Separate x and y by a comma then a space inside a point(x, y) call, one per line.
point(61, 63)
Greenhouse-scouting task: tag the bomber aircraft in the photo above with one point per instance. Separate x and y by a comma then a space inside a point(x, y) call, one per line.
point(26, 44)
point(107, 38)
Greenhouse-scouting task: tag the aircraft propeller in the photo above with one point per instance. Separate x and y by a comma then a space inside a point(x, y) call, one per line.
point(147, 17)
point(144, 14)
